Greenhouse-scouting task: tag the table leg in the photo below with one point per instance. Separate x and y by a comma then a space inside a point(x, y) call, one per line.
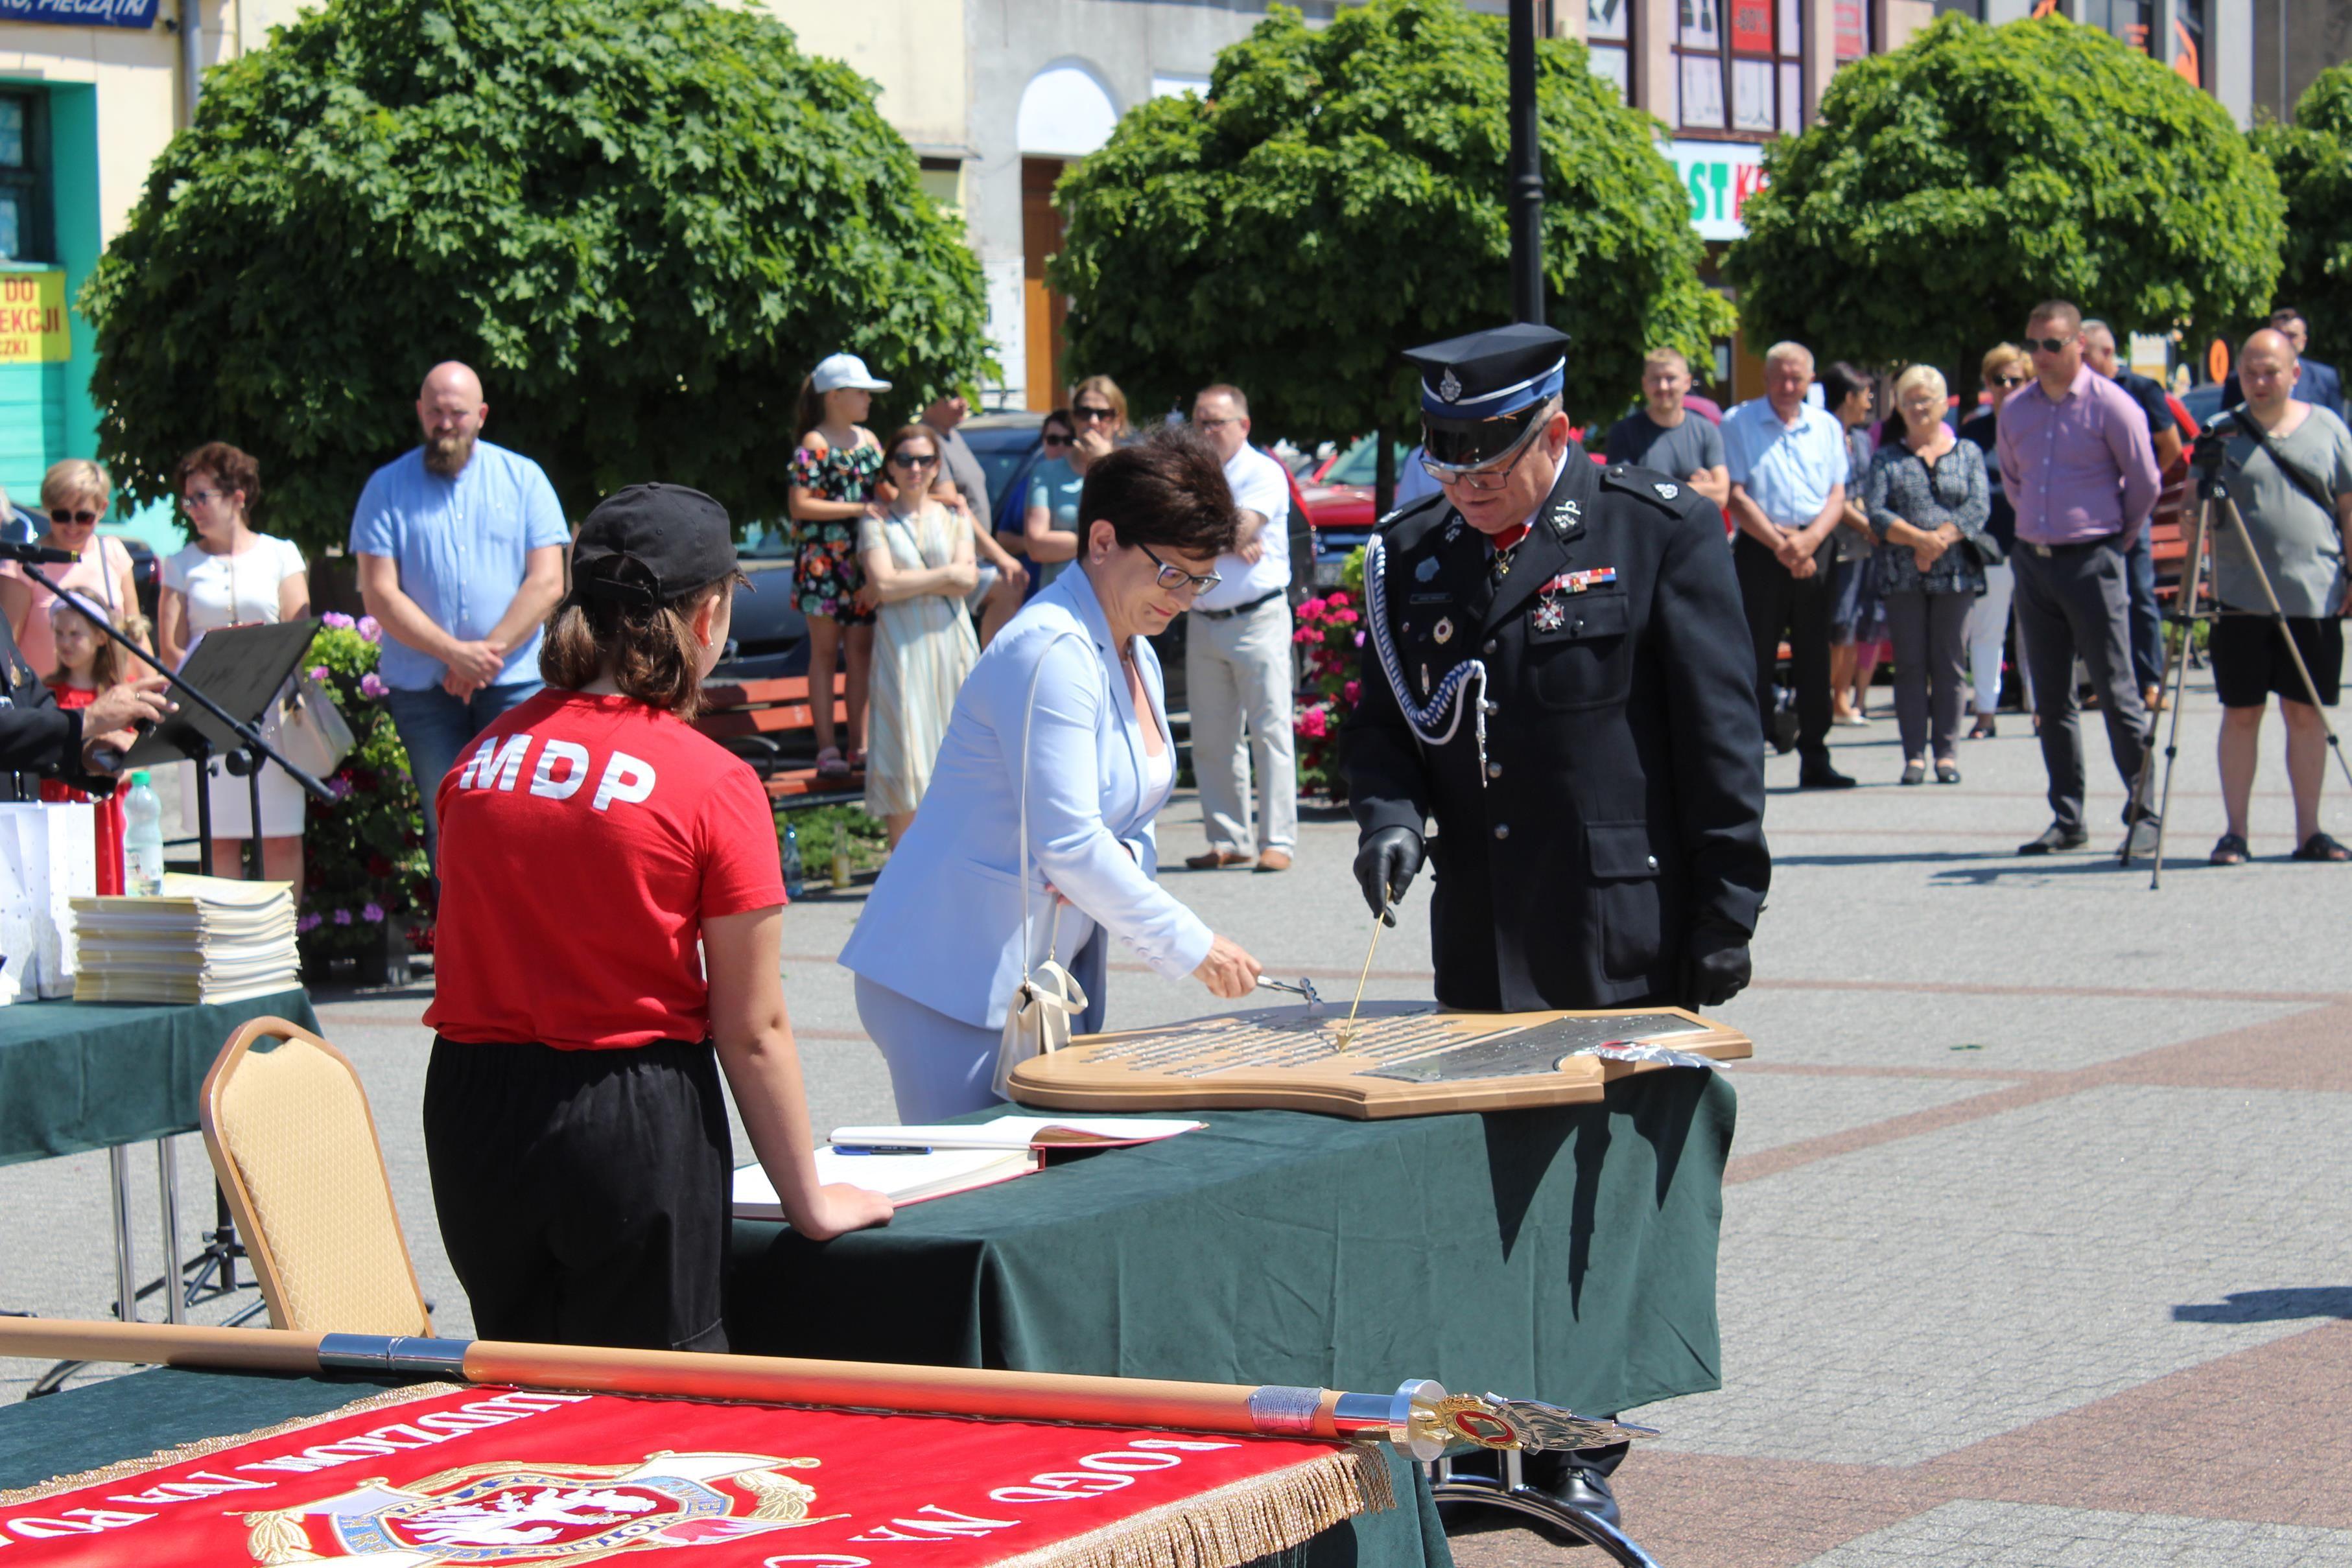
point(118, 1181)
point(167, 1192)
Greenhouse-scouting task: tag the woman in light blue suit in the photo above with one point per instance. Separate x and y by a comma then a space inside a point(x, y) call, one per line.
point(938, 951)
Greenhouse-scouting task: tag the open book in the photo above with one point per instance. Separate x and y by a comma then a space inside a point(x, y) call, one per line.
point(902, 1178)
point(1018, 1133)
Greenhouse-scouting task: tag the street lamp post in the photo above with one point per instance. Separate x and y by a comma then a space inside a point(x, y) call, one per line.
point(1526, 186)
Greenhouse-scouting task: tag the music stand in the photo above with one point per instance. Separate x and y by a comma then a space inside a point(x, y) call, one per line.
point(241, 669)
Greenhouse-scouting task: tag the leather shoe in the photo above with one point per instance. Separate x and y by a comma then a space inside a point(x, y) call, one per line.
point(2054, 839)
point(1216, 860)
point(1821, 775)
point(1274, 860)
point(1588, 1492)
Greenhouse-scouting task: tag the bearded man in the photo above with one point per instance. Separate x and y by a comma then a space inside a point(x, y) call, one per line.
point(460, 545)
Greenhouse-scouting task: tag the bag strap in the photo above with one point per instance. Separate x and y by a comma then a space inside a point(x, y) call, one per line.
point(1021, 867)
point(2240, 420)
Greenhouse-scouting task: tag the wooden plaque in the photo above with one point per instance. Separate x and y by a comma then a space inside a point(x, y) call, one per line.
point(1406, 1058)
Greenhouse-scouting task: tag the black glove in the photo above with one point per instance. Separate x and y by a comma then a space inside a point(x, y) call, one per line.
point(1716, 969)
point(1385, 862)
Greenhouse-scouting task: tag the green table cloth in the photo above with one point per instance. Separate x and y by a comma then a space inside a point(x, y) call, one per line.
point(132, 1417)
point(1564, 1254)
point(89, 1075)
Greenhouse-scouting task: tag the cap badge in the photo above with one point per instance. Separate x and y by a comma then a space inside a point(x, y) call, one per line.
point(1667, 492)
point(1450, 388)
point(1426, 570)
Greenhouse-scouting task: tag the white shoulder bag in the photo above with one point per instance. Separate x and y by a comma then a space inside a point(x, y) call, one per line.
point(1038, 1019)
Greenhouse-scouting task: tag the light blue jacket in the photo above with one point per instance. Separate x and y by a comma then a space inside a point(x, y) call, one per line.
point(942, 925)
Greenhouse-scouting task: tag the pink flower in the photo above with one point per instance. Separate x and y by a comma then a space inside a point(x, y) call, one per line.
point(1351, 693)
point(370, 629)
point(1311, 609)
point(318, 671)
point(371, 685)
point(343, 917)
point(308, 924)
point(1359, 639)
point(339, 621)
point(1306, 635)
point(372, 912)
point(1314, 722)
point(1338, 600)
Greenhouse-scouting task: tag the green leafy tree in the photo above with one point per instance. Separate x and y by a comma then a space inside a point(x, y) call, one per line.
point(1949, 186)
point(2313, 158)
point(641, 220)
point(1339, 195)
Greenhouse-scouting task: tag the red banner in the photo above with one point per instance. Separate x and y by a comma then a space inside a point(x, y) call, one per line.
point(425, 1478)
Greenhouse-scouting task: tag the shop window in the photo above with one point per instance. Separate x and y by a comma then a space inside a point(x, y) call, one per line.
point(2188, 40)
point(1852, 22)
point(2133, 21)
point(1609, 38)
point(1739, 66)
point(23, 179)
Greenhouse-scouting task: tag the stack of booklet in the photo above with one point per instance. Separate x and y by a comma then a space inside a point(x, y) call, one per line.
point(201, 939)
point(916, 1164)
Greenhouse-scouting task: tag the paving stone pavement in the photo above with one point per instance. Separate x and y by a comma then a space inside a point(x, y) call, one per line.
point(2037, 1243)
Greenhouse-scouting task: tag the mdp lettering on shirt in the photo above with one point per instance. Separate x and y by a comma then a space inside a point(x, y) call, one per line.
point(562, 768)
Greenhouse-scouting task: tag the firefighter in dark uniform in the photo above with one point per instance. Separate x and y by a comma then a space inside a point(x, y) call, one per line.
point(1557, 672)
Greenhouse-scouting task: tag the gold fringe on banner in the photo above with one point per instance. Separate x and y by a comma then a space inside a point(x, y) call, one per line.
point(162, 1458)
point(1236, 1523)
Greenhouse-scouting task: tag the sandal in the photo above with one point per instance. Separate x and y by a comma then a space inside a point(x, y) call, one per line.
point(1946, 770)
point(1984, 728)
point(2230, 850)
point(1914, 773)
point(829, 764)
point(2320, 847)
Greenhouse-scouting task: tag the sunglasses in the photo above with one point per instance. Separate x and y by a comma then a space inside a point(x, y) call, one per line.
point(2007, 380)
point(62, 517)
point(908, 460)
point(1092, 415)
point(1175, 579)
point(2049, 345)
point(1055, 438)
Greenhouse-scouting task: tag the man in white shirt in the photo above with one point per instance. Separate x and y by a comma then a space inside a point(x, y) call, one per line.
point(1237, 660)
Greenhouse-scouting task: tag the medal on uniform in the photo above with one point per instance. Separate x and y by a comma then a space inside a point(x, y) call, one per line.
point(1444, 630)
point(1425, 680)
point(1550, 613)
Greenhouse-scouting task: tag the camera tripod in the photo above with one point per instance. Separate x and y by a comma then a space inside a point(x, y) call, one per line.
point(2217, 518)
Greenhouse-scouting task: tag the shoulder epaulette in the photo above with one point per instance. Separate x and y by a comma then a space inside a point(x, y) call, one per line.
point(1660, 490)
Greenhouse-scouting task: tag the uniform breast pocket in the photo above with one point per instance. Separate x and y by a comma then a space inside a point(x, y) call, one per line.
point(1586, 660)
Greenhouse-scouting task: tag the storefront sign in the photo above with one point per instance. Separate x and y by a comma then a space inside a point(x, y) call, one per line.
point(81, 14)
point(1720, 176)
point(33, 330)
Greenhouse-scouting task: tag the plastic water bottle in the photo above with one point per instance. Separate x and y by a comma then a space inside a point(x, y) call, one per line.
point(142, 838)
point(794, 878)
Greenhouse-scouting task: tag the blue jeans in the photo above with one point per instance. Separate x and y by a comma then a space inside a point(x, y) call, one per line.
point(434, 726)
point(2147, 619)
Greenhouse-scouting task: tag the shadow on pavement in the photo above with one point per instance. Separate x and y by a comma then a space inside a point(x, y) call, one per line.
point(2270, 1306)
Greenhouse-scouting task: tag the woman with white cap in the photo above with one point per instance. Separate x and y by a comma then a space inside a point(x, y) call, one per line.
point(834, 471)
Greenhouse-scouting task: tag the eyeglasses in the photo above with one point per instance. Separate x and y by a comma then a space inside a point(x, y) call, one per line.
point(2006, 380)
point(202, 497)
point(1086, 415)
point(61, 517)
point(1215, 423)
point(2049, 345)
point(1055, 438)
point(1175, 579)
point(909, 460)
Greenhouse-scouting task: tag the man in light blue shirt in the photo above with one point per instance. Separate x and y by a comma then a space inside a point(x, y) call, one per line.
point(1788, 468)
point(460, 548)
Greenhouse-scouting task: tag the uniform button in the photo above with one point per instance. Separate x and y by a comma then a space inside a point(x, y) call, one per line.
point(1491, 708)
point(1580, 624)
point(1493, 770)
point(1653, 863)
point(1489, 649)
point(1502, 829)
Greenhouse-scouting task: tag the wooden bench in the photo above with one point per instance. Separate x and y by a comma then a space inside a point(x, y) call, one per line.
point(754, 719)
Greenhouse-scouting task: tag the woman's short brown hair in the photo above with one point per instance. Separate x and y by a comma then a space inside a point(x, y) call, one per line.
point(73, 479)
point(1167, 490)
point(651, 648)
point(226, 465)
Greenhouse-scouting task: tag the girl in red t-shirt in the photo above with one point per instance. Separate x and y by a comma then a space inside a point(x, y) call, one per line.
point(88, 663)
point(610, 937)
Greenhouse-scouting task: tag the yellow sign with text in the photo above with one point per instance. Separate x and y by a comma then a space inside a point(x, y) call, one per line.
point(33, 328)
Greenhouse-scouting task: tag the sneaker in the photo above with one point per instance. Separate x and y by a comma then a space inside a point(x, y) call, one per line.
point(2140, 843)
point(2055, 839)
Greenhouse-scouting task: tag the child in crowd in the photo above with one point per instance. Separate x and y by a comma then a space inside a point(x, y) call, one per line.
point(88, 661)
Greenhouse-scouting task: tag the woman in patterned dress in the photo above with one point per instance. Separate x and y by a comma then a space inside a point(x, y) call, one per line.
point(918, 561)
point(833, 475)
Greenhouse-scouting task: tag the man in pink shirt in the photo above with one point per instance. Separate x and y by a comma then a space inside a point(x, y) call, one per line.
point(2077, 464)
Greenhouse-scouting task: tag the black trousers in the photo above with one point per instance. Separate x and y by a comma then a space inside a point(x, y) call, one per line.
point(1776, 603)
point(584, 1196)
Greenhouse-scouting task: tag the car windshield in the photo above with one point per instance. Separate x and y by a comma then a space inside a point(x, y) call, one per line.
point(2203, 402)
point(1358, 467)
point(1001, 449)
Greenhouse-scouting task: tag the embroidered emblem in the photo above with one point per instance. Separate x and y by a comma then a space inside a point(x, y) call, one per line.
point(1667, 492)
point(1453, 529)
point(1550, 613)
point(1426, 570)
point(1450, 389)
point(1442, 630)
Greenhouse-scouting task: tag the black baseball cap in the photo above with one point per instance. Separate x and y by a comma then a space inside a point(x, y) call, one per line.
point(652, 543)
